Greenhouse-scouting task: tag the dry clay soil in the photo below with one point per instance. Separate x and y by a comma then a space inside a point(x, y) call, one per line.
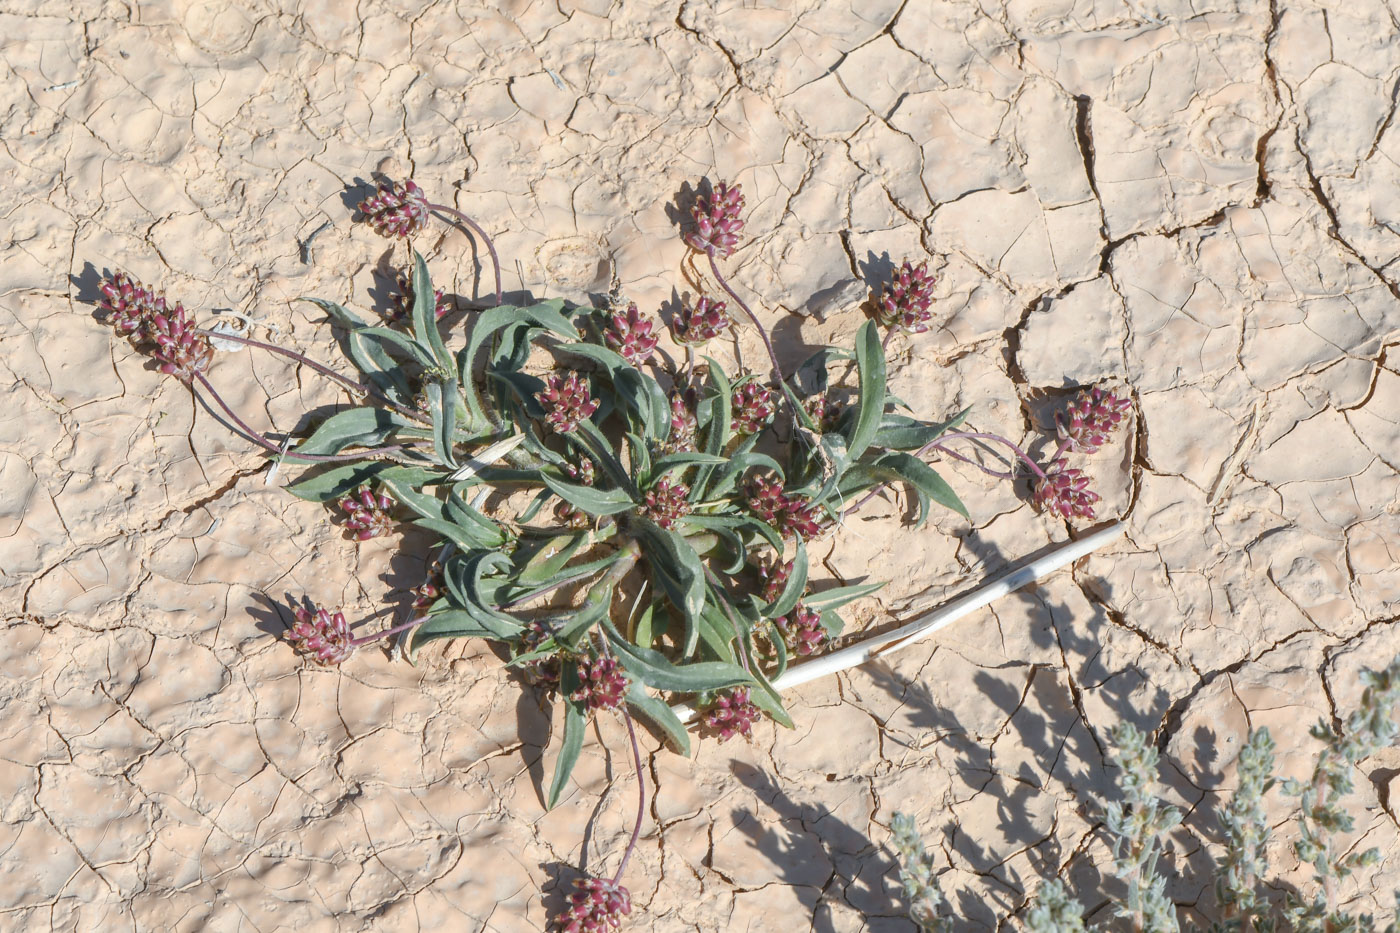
point(1197, 201)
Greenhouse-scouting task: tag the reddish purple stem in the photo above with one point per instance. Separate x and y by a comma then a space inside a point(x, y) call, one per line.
point(366, 639)
point(257, 438)
point(490, 247)
point(767, 343)
point(641, 795)
point(324, 370)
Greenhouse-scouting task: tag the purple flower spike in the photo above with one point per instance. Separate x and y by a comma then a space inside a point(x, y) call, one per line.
point(631, 335)
point(802, 630)
point(180, 350)
point(1091, 418)
point(717, 222)
point(733, 713)
point(1065, 492)
point(565, 511)
point(395, 211)
point(129, 304)
point(596, 907)
point(401, 301)
point(430, 590)
point(320, 636)
point(666, 503)
point(566, 402)
point(543, 672)
point(683, 426)
point(367, 514)
point(775, 578)
point(602, 684)
point(753, 406)
point(905, 301)
point(693, 326)
point(788, 514)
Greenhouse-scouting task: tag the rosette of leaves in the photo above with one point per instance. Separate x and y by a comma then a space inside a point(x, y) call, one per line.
point(694, 623)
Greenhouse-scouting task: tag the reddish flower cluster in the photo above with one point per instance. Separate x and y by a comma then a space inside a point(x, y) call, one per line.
point(905, 301)
point(717, 221)
point(1065, 492)
point(396, 211)
point(596, 907)
point(542, 671)
point(705, 320)
point(824, 412)
point(1091, 418)
point(683, 426)
point(430, 590)
point(667, 502)
point(402, 299)
point(789, 514)
point(565, 511)
point(602, 684)
point(775, 578)
point(367, 513)
point(802, 630)
point(732, 713)
point(752, 405)
point(630, 335)
point(321, 636)
point(566, 402)
point(166, 334)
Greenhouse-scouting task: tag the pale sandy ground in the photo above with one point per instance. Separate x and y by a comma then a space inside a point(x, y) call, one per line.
point(1195, 198)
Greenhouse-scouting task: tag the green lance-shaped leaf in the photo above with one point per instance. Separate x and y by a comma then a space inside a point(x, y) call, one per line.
point(546, 560)
point(835, 598)
point(591, 499)
point(575, 723)
point(444, 415)
point(900, 432)
point(331, 484)
point(870, 358)
point(660, 715)
point(367, 353)
point(925, 481)
point(675, 567)
point(656, 671)
point(766, 698)
point(450, 623)
point(354, 427)
point(425, 327)
point(547, 314)
point(792, 590)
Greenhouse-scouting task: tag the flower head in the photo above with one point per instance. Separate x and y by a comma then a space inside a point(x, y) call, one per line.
point(602, 684)
point(775, 578)
point(1091, 418)
point(752, 405)
point(402, 299)
point(430, 590)
point(566, 511)
point(367, 513)
point(129, 304)
point(321, 636)
point(566, 401)
point(693, 325)
point(717, 222)
point(667, 502)
point(789, 514)
point(905, 301)
point(631, 335)
point(597, 906)
point(1065, 492)
point(396, 211)
point(542, 671)
point(683, 425)
point(802, 630)
point(732, 713)
point(823, 411)
point(181, 350)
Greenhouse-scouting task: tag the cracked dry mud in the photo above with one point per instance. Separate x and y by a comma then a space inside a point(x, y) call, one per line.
point(1197, 199)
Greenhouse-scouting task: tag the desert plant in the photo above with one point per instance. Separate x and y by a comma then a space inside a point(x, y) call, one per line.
point(673, 558)
point(1137, 822)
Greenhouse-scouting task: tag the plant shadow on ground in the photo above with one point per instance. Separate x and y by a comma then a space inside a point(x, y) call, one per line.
point(1052, 740)
point(864, 873)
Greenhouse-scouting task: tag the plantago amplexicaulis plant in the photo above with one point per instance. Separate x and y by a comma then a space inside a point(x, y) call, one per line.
point(672, 557)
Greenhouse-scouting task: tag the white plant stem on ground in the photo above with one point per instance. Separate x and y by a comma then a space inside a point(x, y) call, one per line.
point(925, 625)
